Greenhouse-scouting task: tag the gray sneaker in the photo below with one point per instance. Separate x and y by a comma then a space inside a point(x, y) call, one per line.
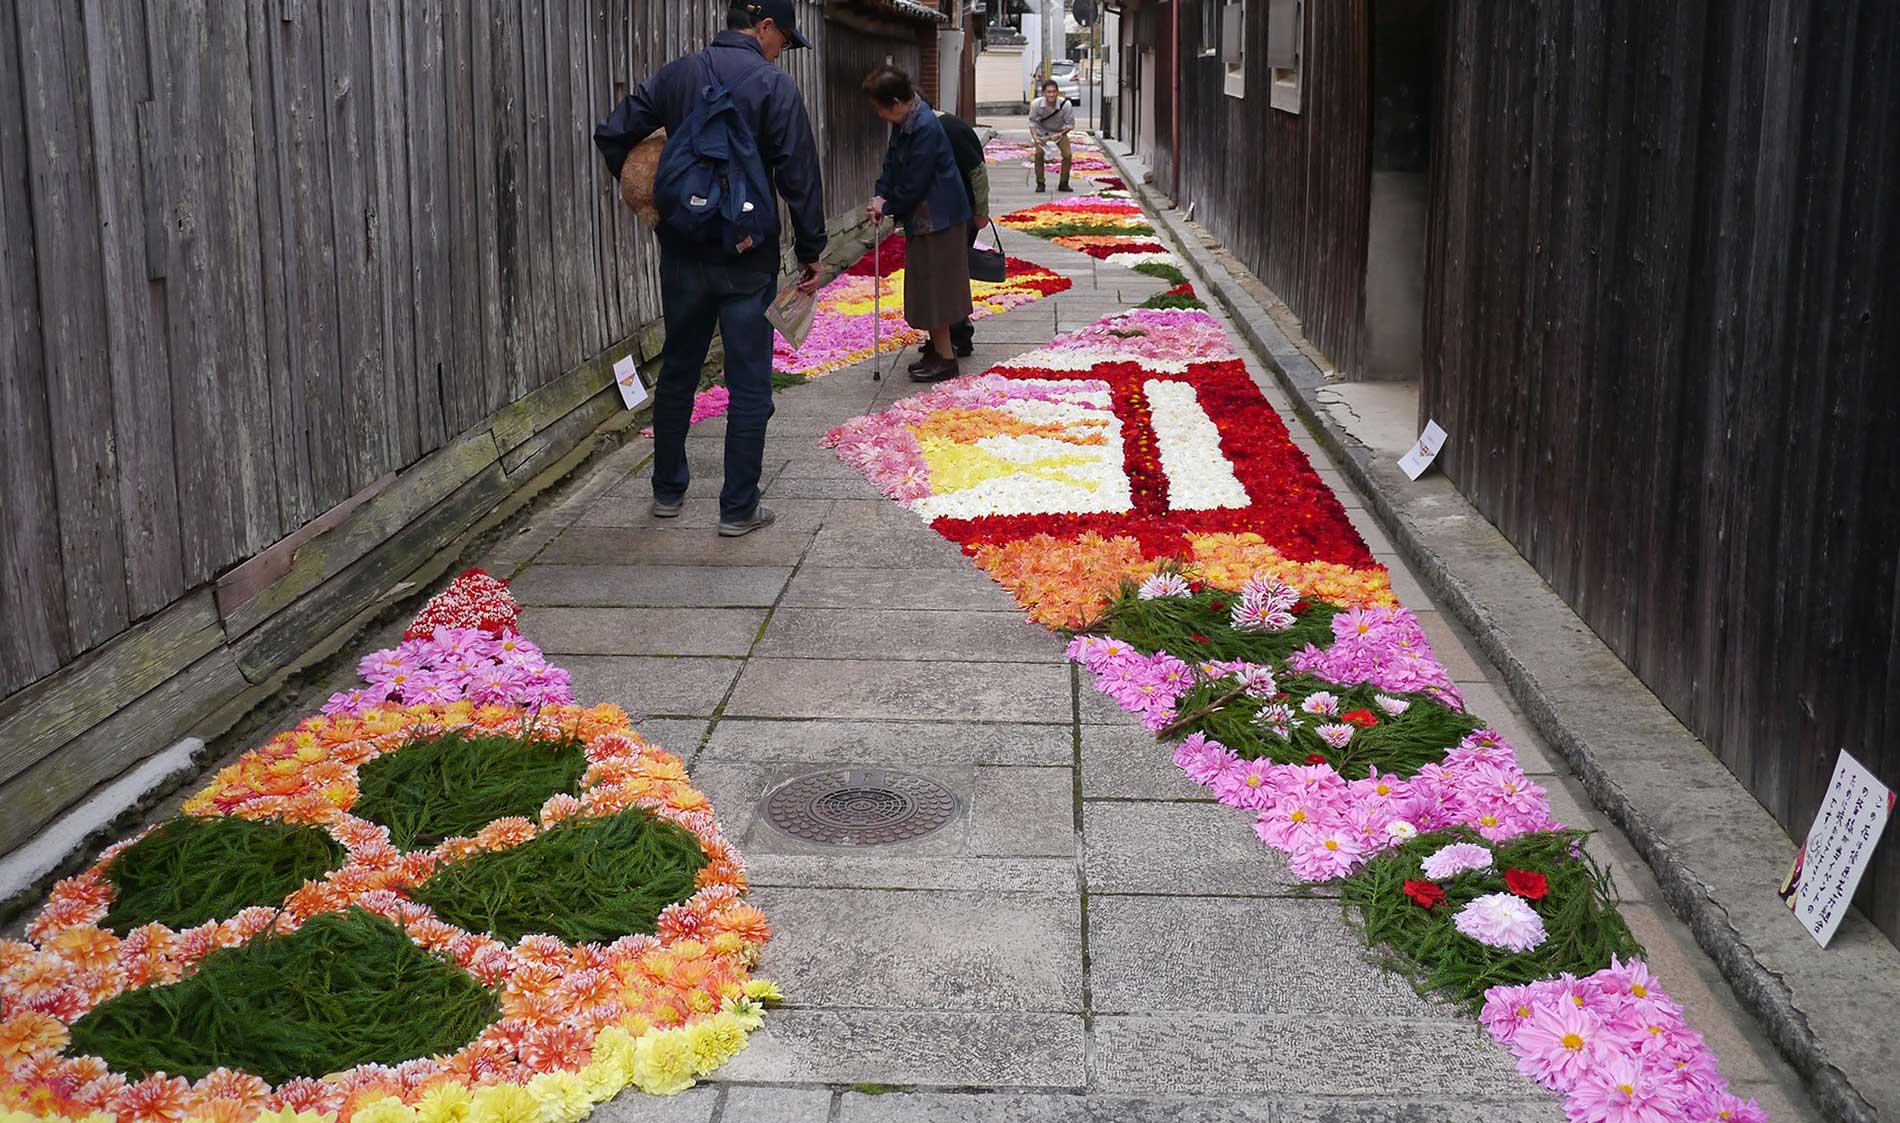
point(762, 516)
point(664, 510)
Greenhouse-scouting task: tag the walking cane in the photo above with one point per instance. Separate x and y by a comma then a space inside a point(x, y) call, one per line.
point(877, 295)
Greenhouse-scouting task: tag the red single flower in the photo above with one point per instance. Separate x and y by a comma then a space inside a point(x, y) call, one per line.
point(1198, 638)
point(1217, 605)
point(1424, 894)
point(1364, 719)
point(1300, 608)
point(1315, 758)
point(1527, 884)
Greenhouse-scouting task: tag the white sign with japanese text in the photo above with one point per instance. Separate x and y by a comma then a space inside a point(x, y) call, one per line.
point(1422, 454)
point(1821, 884)
point(627, 375)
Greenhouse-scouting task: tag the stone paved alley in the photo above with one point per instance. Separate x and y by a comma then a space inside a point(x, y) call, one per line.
point(1095, 939)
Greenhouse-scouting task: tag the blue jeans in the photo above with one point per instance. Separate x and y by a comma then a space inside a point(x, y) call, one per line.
point(697, 296)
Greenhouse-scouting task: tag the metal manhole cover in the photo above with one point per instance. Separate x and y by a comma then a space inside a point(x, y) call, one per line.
point(860, 806)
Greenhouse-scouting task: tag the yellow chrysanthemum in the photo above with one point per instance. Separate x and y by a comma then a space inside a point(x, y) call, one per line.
point(663, 1063)
point(745, 1013)
point(386, 1110)
point(714, 1042)
point(763, 990)
point(447, 1102)
point(603, 1078)
point(561, 1097)
point(504, 1103)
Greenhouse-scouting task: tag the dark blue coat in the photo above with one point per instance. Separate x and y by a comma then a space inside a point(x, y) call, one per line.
point(770, 105)
point(921, 185)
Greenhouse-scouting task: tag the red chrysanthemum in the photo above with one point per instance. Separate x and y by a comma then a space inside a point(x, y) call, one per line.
point(1424, 894)
point(1527, 884)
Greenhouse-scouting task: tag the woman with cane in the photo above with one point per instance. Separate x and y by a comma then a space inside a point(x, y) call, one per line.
point(923, 190)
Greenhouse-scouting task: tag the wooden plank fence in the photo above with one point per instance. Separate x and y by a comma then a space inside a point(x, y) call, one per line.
point(293, 293)
point(1660, 328)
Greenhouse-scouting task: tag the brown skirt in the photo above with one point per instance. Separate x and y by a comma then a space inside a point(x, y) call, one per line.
point(937, 278)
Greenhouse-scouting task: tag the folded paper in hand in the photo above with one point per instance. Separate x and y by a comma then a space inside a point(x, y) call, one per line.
point(791, 312)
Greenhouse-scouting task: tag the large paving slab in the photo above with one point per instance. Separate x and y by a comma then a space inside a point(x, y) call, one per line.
point(940, 950)
point(944, 1049)
point(636, 513)
point(1237, 955)
point(1125, 761)
point(853, 633)
point(1343, 1055)
point(856, 688)
point(1023, 812)
point(610, 545)
point(1012, 1107)
point(724, 586)
point(867, 870)
point(653, 684)
point(930, 589)
point(898, 743)
point(1179, 848)
point(643, 631)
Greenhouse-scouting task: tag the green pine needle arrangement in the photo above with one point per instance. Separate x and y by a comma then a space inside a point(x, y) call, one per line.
point(1579, 914)
point(454, 785)
point(1398, 745)
point(343, 990)
point(595, 879)
point(1174, 300)
point(1192, 628)
point(1083, 228)
point(1162, 270)
point(191, 869)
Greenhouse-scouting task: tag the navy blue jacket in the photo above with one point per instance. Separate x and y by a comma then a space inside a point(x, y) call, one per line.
point(921, 185)
point(771, 107)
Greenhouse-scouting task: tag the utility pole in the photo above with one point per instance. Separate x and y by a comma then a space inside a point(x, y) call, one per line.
point(1053, 37)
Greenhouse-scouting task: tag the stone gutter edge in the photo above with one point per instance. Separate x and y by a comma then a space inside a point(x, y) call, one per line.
point(1761, 990)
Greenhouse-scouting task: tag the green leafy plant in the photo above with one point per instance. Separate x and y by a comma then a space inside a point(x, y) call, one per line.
point(582, 880)
point(343, 990)
point(1162, 270)
point(1400, 744)
point(1578, 908)
point(1198, 627)
point(1173, 300)
point(193, 869)
point(451, 785)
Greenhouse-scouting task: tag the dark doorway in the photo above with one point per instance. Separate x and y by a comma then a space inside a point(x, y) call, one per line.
point(1404, 65)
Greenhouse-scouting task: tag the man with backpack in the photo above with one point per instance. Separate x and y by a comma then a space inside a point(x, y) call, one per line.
point(738, 139)
point(967, 148)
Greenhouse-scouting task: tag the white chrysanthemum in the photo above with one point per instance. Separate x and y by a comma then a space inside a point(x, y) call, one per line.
point(1502, 921)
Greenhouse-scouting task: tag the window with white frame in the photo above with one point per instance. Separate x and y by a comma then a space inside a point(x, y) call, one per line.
point(1233, 47)
point(1286, 48)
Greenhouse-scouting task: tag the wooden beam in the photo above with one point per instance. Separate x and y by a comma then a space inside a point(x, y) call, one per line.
point(38, 720)
point(57, 781)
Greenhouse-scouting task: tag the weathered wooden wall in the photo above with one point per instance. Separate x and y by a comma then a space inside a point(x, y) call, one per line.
point(1664, 304)
point(1287, 193)
point(286, 282)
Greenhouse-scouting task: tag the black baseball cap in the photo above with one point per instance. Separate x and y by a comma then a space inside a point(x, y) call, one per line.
point(783, 13)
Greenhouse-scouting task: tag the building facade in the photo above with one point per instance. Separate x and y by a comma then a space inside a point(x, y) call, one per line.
point(1643, 263)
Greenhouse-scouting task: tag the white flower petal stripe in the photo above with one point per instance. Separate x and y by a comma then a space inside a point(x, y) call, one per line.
point(1200, 478)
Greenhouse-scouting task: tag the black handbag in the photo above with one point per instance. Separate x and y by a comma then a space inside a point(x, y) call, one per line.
point(989, 264)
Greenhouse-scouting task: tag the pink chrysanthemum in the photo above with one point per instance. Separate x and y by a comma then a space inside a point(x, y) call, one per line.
point(1455, 859)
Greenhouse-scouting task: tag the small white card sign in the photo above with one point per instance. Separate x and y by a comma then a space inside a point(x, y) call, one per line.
point(632, 390)
point(1424, 452)
point(1821, 883)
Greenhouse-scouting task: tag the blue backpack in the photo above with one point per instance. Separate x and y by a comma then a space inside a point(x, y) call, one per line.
point(711, 186)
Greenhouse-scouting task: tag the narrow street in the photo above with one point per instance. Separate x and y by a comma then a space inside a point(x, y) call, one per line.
point(1093, 937)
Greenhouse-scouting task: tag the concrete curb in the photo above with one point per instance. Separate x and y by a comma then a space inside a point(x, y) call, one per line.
point(1715, 851)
